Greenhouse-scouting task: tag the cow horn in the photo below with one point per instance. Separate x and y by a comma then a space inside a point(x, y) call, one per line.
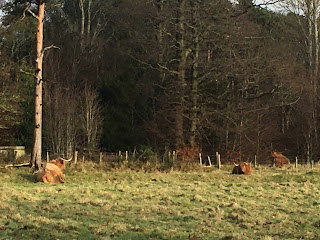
point(66, 160)
point(236, 164)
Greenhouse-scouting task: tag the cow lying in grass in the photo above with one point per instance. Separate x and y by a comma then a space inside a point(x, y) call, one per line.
point(242, 168)
point(52, 171)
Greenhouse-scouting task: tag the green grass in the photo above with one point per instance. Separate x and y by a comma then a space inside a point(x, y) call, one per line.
point(126, 204)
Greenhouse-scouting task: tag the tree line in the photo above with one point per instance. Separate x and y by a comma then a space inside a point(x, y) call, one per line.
point(219, 75)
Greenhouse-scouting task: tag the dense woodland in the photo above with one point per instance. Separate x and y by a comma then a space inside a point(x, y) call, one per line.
point(163, 74)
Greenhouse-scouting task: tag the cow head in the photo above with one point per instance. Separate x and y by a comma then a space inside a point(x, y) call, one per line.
point(242, 168)
point(60, 162)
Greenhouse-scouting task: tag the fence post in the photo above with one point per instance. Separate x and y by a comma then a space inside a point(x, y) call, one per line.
point(296, 164)
point(75, 157)
point(274, 162)
point(217, 156)
point(218, 160)
point(312, 164)
point(100, 157)
point(134, 154)
point(200, 158)
point(174, 156)
point(209, 160)
point(48, 158)
point(255, 161)
point(127, 155)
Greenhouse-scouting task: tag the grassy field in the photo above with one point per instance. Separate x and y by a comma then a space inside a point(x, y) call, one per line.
point(126, 204)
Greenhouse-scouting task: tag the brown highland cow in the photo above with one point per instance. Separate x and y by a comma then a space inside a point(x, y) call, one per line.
point(242, 168)
point(52, 171)
point(279, 159)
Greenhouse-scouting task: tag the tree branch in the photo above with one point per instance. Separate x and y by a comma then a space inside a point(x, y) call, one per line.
point(27, 9)
point(17, 165)
point(160, 68)
point(49, 47)
point(28, 73)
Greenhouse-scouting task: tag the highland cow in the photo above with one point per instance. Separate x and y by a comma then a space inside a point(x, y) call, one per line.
point(242, 168)
point(279, 159)
point(52, 171)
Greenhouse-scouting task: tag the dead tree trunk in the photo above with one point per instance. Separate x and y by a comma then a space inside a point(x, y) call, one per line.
point(37, 143)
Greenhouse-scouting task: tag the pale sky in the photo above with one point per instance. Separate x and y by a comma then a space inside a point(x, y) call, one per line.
point(273, 5)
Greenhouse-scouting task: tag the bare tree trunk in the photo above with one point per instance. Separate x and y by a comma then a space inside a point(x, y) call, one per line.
point(194, 118)
point(241, 121)
point(227, 132)
point(316, 75)
point(313, 42)
point(183, 53)
point(89, 18)
point(161, 31)
point(259, 135)
point(316, 38)
point(37, 143)
point(81, 5)
point(195, 94)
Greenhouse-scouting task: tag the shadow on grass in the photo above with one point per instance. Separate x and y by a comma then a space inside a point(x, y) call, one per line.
point(29, 177)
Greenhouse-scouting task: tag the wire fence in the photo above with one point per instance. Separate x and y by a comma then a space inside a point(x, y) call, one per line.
point(13, 155)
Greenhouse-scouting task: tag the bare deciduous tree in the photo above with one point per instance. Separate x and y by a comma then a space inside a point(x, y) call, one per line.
point(91, 118)
point(307, 14)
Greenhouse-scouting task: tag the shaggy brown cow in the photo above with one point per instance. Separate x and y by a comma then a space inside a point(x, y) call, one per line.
point(280, 159)
point(52, 171)
point(242, 168)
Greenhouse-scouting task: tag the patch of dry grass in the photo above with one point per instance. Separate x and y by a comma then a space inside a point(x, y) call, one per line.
point(98, 204)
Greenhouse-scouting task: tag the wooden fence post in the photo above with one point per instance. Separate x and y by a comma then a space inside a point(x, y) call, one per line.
point(312, 164)
point(209, 160)
point(217, 156)
point(255, 161)
point(174, 156)
point(100, 157)
point(127, 155)
point(48, 158)
point(200, 159)
point(134, 154)
point(274, 162)
point(75, 157)
point(218, 160)
point(296, 164)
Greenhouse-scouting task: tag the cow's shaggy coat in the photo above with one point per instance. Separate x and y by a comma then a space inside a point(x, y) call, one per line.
point(52, 172)
point(279, 159)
